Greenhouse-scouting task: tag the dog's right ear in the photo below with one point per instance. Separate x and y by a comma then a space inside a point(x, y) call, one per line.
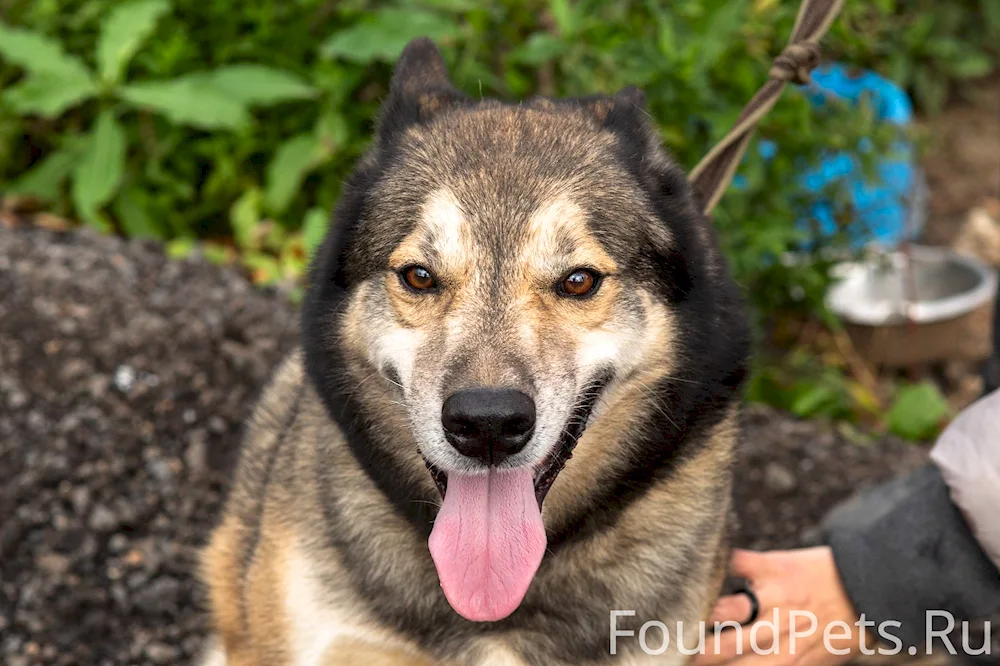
point(420, 89)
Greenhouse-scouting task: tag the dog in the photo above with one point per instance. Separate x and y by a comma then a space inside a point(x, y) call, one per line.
point(515, 405)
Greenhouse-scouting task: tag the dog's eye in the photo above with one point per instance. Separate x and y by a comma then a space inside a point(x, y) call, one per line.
point(418, 278)
point(580, 282)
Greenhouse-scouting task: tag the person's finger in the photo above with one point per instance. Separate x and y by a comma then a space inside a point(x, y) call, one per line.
point(733, 608)
point(748, 563)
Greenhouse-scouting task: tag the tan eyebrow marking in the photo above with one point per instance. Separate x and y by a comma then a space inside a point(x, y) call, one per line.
point(441, 235)
point(558, 239)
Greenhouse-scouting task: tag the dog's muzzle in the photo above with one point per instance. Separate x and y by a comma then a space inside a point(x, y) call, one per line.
point(492, 424)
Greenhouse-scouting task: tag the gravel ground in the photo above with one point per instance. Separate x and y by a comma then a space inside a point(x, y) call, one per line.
point(124, 380)
point(792, 472)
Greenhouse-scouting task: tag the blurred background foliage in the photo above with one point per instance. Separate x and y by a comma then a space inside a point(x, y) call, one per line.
point(229, 126)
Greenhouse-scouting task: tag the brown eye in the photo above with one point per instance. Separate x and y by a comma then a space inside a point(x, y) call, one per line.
point(418, 278)
point(581, 282)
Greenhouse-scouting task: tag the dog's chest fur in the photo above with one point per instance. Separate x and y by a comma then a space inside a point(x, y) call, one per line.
point(327, 633)
point(314, 566)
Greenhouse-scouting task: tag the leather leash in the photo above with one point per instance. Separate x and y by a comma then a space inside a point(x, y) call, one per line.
point(715, 171)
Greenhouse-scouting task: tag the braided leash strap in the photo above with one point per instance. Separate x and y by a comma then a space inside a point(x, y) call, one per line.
point(713, 174)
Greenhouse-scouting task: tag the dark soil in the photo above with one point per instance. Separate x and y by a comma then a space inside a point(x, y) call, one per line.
point(124, 380)
point(791, 472)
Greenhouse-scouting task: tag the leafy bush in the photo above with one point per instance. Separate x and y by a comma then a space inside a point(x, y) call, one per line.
point(931, 48)
point(94, 160)
point(192, 120)
point(232, 124)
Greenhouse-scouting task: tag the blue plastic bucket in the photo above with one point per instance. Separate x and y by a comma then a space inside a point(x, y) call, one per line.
point(891, 208)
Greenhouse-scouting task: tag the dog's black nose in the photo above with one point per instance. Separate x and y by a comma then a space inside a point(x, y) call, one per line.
point(488, 423)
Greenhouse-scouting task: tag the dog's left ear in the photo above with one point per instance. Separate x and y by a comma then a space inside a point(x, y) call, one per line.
point(625, 112)
point(419, 70)
point(627, 102)
point(630, 98)
point(419, 90)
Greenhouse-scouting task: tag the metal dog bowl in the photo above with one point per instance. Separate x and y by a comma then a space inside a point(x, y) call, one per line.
point(925, 305)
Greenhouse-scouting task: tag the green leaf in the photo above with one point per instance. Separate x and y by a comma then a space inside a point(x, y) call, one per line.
point(122, 33)
point(39, 54)
point(382, 35)
point(332, 131)
point(562, 13)
point(918, 411)
point(136, 222)
point(44, 180)
point(538, 49)
point(48, 95)
point(293, 160)
point(457, 6)
point(990, 11)
point(931, 91)
point(256, 85)
point(99, 171)
point(314, 228)
point(244, 216)
point(666, 34)
point(264, 269)
point(189, 100)
point(720, 32)
point(972, 66)
point(814, 399)
point(216, 254)
point(181, 248)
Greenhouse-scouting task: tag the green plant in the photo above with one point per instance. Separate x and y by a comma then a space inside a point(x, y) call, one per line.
point(933, 49)
point(918, 411)
point(811, 385)
point(212, 121)
point(94, 159)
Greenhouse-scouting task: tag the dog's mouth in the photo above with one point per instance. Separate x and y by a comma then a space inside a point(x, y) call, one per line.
point(545, 473)
point(488, 539)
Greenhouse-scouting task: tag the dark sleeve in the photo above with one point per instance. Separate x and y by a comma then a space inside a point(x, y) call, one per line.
point(903, 548)
point(991, 369)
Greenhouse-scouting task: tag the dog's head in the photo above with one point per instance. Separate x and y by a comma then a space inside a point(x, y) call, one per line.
point(497, 277)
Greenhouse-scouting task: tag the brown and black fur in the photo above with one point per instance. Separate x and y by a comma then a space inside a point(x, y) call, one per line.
point(332, 478)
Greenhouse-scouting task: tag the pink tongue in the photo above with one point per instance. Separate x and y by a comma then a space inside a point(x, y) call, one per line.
point(487, 542)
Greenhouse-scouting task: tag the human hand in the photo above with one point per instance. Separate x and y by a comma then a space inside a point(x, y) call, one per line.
point(790, 583)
